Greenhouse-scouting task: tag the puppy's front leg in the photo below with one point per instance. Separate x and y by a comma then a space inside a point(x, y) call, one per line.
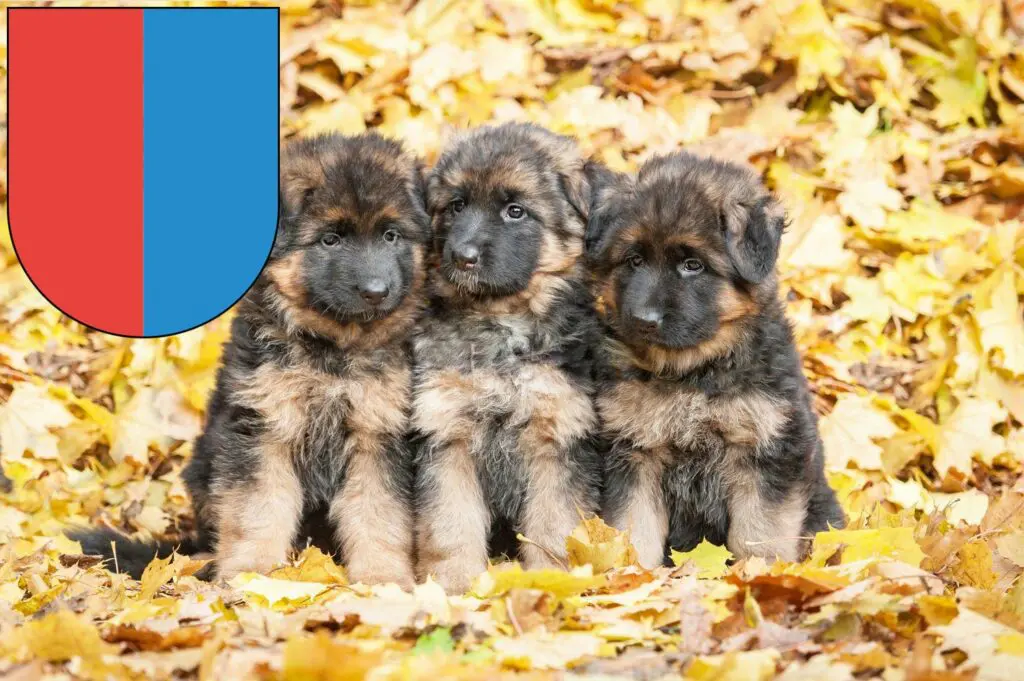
point(257, 518)
point(551, 510)
point(452, 518)
point(635, 501)
point(372, 514)
point(760, 525)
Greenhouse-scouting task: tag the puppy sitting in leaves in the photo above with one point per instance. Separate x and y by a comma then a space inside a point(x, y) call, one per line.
point(503, 390)
point(702, 399)
point(308, 421)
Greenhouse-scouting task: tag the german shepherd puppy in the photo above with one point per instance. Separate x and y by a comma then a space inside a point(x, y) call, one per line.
point(503, 378)
point(702, 400)
point(311, 408)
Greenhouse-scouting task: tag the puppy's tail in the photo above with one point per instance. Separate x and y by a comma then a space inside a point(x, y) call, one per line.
point(123, 554)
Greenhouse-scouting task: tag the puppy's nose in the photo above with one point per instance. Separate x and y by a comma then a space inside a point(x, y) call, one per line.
point(466, 256)
point(647, 320)
point(374, 291)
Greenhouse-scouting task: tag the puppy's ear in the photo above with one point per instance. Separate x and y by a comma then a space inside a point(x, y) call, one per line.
point(753, 230)
point(301, 175)
point(576, 187)
point(418, 190)
point(435, 200)
point(421, 185)
point(606, 186)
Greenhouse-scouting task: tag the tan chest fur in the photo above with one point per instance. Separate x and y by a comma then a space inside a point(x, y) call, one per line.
point(538, 400)
point(296, 403)
point(654, 415)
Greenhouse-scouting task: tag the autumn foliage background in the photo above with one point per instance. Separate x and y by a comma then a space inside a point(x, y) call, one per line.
point(894, 133)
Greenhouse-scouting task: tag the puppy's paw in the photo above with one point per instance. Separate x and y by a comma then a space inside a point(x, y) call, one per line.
point(454, 575)
point(400, 574)
point(228, 567)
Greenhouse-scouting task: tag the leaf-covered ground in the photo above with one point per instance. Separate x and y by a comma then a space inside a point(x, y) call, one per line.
point(894, 132)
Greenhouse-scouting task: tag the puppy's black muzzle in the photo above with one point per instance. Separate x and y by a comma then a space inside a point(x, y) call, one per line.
point(466, 242)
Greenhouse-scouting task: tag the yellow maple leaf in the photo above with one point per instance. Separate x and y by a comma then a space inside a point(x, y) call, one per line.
point(909, 494)
point(979, 637)
point(56, 637)
point(974, 565)
point(152, 417)
point(924, 225)
point(962, 507)
point(868, 302)
point(546, 650)
point(961, 91)
point(159, 572)
point(710, 559)
point(914, 284)
point(595, 543)
point(809, 37)
point(312, 566)
point(320, 657)
point(938, 610)
point(1011, 547)
point(278, 594)
point(822, 246)
point(28, 421)
point(868, 200)
point(967, 434)
point(896, 543)
point(498, 580)
point(850, 431)
point(1002, 325)
point(846, 144)
point(754, 665)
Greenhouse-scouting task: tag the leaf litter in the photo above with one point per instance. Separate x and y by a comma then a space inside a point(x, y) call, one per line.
point(894, 133)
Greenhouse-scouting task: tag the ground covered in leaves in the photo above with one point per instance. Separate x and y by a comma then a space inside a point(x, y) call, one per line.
point(893, 131)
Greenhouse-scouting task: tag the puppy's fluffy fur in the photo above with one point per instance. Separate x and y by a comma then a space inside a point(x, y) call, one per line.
point(307, 424)
point(703, 404)
point(503, 389)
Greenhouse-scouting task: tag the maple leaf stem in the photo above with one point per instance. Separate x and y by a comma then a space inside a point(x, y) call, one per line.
point(550, 554)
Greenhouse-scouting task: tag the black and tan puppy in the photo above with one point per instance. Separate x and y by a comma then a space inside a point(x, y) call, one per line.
point(702, 402)
point(503, 389)
point(307, 423)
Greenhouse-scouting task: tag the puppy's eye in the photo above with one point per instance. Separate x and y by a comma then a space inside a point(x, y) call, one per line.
point(515, 212)
point(457, 205)
point(636, 260)
point(392, 236)
point(330, 239)
point(691, 266)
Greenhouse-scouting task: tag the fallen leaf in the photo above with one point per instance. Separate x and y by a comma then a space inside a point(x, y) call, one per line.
point(1011, 547)
point(709, 559)
point(967, 434)
point(543, 650)
point(561, 584)
point(850, 431)
point(595, 543)
point(58, 636)
point(27, 422)
point(312, 565)
point(1002, 325)
point(319, 657)
point(896, 543)
point(280, 594)
point(159, 572)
